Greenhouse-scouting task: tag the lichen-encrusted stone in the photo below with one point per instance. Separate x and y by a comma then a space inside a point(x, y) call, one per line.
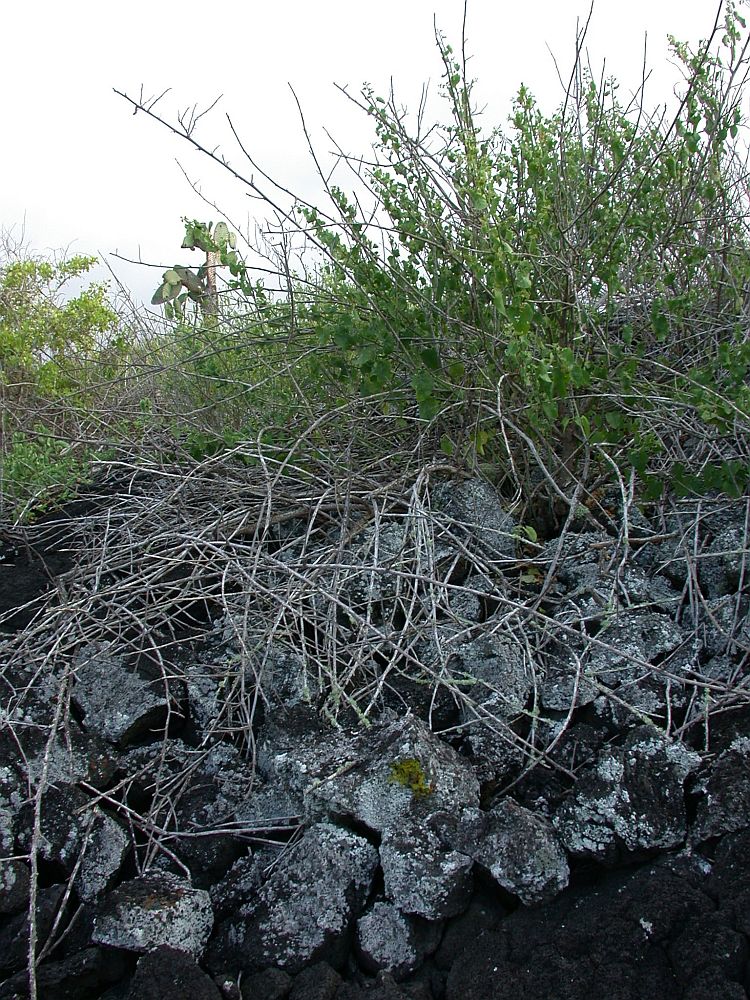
point(636, 639)
point(564, 679)
point(633, 794)
point(720, 564)
point(14, 885)
point(85, 841)
point(501, 679)
point(724, 805)
point(720, 622)
point(304, 910)
point(422, 876)
point(502, 674)
point(480, 515)
point(104, 844)
point(152, 910)
point(368, 784)
point(388, 940)
point(518, 847)
point(117, 702)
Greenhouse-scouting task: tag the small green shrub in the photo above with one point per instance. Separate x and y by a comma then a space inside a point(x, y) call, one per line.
point(39, 471)
point(44, 342)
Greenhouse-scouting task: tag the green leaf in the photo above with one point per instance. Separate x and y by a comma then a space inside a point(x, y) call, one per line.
point(430, 358)
point(189, 279)
point(171, 277)
point(221, 234)
point(446, 445)
point(160, 296)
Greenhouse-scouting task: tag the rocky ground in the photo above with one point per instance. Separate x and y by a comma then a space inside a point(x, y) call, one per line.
point(269, 743)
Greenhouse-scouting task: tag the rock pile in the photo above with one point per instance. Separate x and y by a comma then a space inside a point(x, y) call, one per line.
point(453, 763)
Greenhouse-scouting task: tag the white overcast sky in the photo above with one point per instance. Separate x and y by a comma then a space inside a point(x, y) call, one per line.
point(79, 171)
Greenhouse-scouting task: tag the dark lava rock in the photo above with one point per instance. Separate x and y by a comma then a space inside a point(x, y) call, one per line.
point(724, 804)
point(304, 910)
point(14, 886)
point(120, 703)
point(517, 847)
point(169, 974)
point(14, 932)
point(30, 559)
point(152, 910)
point(205, 790)
point(82, 976)
point(85, 841)
point(316, 982)
point(388, 940)
point(422, 876)
point(601, 944)
point(269, 984)
point(384, 988)
point(483, 913)
point(631, 795)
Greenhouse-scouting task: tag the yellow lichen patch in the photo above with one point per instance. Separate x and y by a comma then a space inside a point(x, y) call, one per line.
point(410, 774)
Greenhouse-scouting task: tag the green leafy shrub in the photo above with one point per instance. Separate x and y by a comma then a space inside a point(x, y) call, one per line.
point(560, 300)
point(39, 470)
point(57, 356)
point(43, 340)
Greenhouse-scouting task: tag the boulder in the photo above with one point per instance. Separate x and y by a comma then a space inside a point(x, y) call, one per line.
point(478, 516)
point(422, 876)
point(303, 911)
point(155, 909)
point(85, 841)
point(724, 790)
point(517, 847)
point(388, 940)
point(117, 702)
point(631, 795)
point(167, 973)
point(394, 772)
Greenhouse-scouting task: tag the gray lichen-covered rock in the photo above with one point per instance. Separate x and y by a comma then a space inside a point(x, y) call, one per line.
point(81, 838)
point(392, 772)
point(304, 910)
point(631, 794)
point(207, 790)
point(720, 623)
point(501, 673)
point(388, 940)
point(14, 885)
point(578, 560)
point(14, 874)
point(254, 665)
point(152, 910)
point(104, 847)
point(118, 703)
point(721, 562)
point(479, 514)
point(295, 751)
point(497, 677)
point(635, 640)
point(422, 876)
point(724, 805)
point(27, 755)
point(518, 847)
point(565, 680)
